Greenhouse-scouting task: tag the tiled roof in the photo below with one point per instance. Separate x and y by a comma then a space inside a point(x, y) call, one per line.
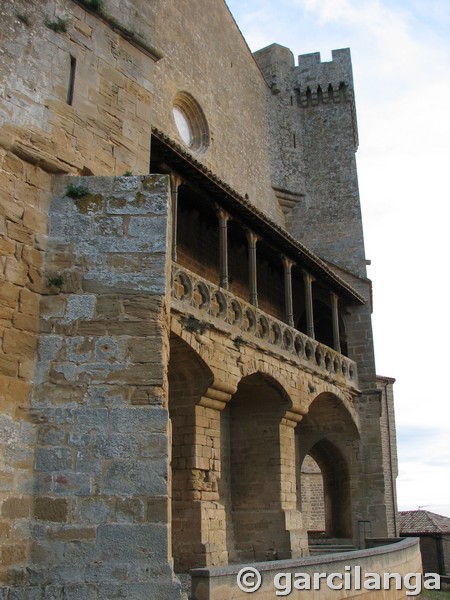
point(423, 521)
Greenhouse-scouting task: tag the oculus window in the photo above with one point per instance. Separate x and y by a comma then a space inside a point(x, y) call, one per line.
point(190, 122)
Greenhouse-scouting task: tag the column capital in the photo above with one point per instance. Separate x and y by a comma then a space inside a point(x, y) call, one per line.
point(307, 276)
point(175, 181)
point(222, 214)
point(334, 297)
point(288, 263)
point(252, 237)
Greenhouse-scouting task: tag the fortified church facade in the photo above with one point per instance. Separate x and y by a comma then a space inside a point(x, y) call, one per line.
point(185, 311)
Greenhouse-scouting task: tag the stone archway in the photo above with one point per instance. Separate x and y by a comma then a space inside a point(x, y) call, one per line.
point(189, 378)
point(253, 477)
point(312, 496)
point(336, 489)
point(329, 436)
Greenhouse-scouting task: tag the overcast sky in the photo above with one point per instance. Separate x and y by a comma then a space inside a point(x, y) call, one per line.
point(401, 66)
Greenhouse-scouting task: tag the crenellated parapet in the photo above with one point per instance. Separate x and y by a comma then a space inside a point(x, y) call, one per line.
point(327, 83)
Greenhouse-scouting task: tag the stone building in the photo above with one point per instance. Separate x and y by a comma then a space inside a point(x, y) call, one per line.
point(185, 310)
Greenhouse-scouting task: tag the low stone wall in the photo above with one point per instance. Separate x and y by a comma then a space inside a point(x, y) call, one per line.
point(352, 572)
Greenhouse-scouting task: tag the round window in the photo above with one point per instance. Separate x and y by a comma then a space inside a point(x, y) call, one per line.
point(190, 122)
point(183, 125)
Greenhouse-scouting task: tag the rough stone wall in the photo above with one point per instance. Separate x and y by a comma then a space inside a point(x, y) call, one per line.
point(24, 192)
point(288, 170)
point(99, 522)
point(312, 495)
point(332, 203)
point(85, 458)
point(106, 130)
point(226, 82)
point(314, 101)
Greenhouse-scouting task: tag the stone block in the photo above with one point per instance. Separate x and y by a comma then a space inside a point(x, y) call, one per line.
point(50, 509)
point(129, 510)
point(33, 257)
point(79, 307)
point(29, 323)
point(9, 293)
point(9, 365)
point(35, 220)
point(53, 459)
point(128, 543)
point(136, 477)
point(20, 343)
point(15, 508)
point(13, 553)
point(20, 233)
point(7, 246)
point(95, 510)
point(142, 350)
point(157, 509)
point(15, 271)
point(132, 419)
point(118, 445)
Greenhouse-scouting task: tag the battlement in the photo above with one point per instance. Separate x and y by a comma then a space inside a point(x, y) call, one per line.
point(313, 72)
point(328, 82)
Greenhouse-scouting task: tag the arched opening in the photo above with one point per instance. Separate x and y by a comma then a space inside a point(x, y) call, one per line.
point(336, 489)
point(189, 378)
point(251, 483)
point(325, 442)
point(312, 496)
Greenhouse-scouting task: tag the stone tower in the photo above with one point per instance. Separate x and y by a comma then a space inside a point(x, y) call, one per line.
point(314, 138)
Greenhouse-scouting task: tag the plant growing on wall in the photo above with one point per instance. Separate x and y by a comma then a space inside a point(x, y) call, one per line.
point(56, 281)
point(76, 191)
point(193, 325)
point(59, 25)
point(23, 18)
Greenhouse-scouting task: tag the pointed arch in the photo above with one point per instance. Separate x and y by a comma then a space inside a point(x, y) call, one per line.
point(329, 435)
point(253, 470)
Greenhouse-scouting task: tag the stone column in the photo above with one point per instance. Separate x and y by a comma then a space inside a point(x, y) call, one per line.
point(223, 217)
point(308, 279)
point(335, 316)
point(199, 518)
point(288, 305)
point(253, 284)
point(175, 183)
point(298, 537)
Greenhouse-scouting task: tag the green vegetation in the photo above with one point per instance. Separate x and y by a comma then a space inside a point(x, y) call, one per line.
point(59, 25)
point(57, 281)
point(97, 5)
point(76, 191)
point(193, 325)
point(23, 18)
point(435, 595)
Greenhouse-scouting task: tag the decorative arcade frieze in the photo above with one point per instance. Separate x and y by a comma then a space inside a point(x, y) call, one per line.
point(209, 305)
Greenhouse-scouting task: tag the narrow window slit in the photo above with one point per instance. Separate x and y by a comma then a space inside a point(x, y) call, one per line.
point(70, 90)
